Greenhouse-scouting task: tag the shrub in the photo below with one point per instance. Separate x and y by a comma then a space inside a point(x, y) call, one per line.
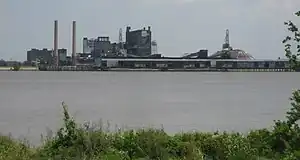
point(16, 67)
point(13, 150)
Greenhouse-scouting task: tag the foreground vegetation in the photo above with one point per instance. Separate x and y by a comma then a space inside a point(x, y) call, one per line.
point(73, 141)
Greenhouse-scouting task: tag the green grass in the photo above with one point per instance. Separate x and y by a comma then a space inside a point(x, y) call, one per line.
point(75, 141)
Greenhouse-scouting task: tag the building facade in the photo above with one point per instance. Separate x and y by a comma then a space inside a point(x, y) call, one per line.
point(88, 44)
point(44, 55)
point(2, 62)
point(138, 42)
point(62, 55)
point(98, 47)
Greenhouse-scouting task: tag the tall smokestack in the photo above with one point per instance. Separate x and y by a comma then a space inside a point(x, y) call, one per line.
point(55, 54)
point(74, 43)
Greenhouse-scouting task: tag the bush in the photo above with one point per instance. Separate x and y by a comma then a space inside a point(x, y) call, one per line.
point(16, 67)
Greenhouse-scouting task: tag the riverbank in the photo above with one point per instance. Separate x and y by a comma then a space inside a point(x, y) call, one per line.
point(74, 141)
point(23, 68)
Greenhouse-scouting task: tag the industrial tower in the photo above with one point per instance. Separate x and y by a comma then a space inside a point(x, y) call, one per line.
point(121, 43)
point(55, 54)
point(74, 56)
point(55, 49)
point(226, 44)
point(120, 36)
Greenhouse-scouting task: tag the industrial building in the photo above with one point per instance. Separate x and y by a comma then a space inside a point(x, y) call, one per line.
point(2, 62)
point(45, 55)
point(139, 52)
point(138, 42)
point(115, 48)
point(177, 63)
point(62, 55)
point(98, 47)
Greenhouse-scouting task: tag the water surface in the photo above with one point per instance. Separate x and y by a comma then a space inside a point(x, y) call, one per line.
point(31, 101)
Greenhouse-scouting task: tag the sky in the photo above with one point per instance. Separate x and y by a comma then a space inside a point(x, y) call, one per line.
point(178, 26)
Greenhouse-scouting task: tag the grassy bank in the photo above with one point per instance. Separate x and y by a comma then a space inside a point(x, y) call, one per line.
point(75, 141)
point(22, 68)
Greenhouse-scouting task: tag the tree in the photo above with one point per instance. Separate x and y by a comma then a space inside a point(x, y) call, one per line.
point(287, 133)
point(293, 57)
point(294, 114)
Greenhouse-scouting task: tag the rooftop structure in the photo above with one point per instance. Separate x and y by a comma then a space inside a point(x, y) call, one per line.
point(201, 54)
point(228, 52)
point(232, 54)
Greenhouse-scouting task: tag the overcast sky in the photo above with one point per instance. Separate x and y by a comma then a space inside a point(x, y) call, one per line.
point(178, 26)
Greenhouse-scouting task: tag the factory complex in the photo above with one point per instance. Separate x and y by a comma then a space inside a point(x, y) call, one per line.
point(139, 52)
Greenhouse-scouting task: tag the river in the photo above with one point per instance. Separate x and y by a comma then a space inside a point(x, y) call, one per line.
point(30, 102)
